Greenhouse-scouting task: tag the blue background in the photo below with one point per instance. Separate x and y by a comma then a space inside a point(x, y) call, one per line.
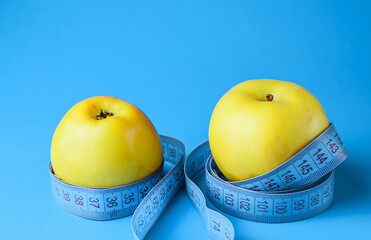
point(174, 60)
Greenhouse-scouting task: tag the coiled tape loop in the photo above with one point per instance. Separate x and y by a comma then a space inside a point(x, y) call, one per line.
point(300, 188)
point(146, 198)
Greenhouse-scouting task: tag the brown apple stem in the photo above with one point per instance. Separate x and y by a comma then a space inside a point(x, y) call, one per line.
point(269, 97)
point(103, 115)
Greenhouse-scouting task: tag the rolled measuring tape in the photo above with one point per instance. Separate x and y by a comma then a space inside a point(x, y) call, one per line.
point(300, 188)
point(146, 198)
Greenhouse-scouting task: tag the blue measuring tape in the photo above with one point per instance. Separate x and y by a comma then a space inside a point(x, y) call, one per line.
point(300, 188)
point(146, 198)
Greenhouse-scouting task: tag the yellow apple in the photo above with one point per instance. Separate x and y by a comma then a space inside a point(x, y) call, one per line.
point(259, 124)
point(105, 142)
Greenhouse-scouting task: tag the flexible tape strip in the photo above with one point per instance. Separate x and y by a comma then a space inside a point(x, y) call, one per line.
point(157, 199)
point(317, 159)
point(300, 188)
point(147, 197)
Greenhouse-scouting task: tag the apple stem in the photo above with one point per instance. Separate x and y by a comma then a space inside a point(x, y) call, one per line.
point(269, 97)
point(103, 115)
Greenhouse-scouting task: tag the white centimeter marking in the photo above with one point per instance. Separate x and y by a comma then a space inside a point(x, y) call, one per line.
point(146, 198)
point(300, 188)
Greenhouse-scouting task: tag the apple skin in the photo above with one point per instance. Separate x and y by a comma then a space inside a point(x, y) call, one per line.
point(250, 136)
point(93, 151)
